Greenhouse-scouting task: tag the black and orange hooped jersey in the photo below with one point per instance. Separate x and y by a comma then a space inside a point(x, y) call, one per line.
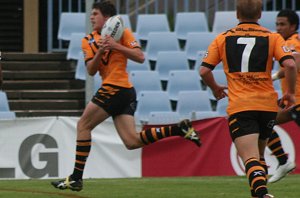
point(247, 51)
point(112, 67)
point(293, 42)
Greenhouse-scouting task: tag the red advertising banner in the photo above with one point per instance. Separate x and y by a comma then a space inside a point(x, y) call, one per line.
point(217, 155)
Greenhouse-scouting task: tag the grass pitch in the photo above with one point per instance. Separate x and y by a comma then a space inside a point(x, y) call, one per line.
point(181, 187)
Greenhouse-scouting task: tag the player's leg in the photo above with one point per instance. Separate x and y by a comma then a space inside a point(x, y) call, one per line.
point(244, 131)
point(93, 115)
point(285, 166)
point(132, 139)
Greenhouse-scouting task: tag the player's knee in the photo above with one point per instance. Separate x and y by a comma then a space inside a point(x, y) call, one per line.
point(295, 114)
point(131, 145)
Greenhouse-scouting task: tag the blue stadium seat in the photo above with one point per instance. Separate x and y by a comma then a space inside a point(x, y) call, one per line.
point(4, 105)
point(145, 81)
point(224, 20)
point(182, 80)
point(74, 47)
point(161, 41)
point(192, 101)
point(133, 66)
point(222, 106)
point(97, 82)
point(71, 22)
point(151, 101)
point(147, 23)
point(197, 41)
point(170, 60)
point(163, 117)
point(80, 72)
point(185, 23)
point(268, 19)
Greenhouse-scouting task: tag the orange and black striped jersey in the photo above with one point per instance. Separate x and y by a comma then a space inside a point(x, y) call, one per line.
point(247, 52)
point(293, 42)
point(112, 67)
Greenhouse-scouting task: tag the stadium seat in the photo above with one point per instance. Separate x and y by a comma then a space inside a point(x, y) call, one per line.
point(182, 80)
point(147, 23)
point(145, 81)
point(200, 115)
point(192, 101)
point(7, 115)
point(199, 57)
point(224, 20)
point(185, 23)
point(71, 22)
point(97, 82)
point(4, 105)
point(80, 72)
point(163, 117)
point(197, 41)
point(161, 41)
point(151, 101)
point(222, 106)
point(126, 20)
point(268, 19)
point(74, 47)
point(133, 66)
point(170, 60)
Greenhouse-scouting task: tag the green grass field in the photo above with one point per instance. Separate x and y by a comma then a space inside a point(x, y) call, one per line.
point(200, 187)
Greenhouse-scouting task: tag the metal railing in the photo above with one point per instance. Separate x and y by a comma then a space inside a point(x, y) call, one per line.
point(135, 7)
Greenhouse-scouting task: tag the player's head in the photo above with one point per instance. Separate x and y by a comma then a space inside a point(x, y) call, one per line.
point(101, 11)
point(287, 23)
point(106, 7)
point(248, 10)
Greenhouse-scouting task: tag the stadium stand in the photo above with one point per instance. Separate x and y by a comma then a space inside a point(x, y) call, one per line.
point(75, 46)
point(170, 60)
point(268, 19)
point(222, 106)
point(224, 20)
point(132, 66)
point(161, 41)
point(192, 101)
point(197, 41)
point(5, 112)
point(80, 72)
point(182, 80)
point(163, 117)
point(71, 22)
point(151, 101)
point(145, 81)
point(185, 23)
point(147, 23)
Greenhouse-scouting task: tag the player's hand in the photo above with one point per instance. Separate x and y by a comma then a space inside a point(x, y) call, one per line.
point(287, 100)
point(220, 92)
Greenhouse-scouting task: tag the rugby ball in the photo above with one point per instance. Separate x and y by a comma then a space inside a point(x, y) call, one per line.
point(114, 27)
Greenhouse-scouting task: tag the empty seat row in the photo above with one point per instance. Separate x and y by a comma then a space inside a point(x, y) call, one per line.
point(155, 105)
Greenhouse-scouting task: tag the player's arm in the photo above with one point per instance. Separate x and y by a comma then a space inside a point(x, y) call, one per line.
point(290, 72)
point(209, 80)
point(280, 74)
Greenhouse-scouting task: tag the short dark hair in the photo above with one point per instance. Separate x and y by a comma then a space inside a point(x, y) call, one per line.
point(107, 8)
point(291, 15)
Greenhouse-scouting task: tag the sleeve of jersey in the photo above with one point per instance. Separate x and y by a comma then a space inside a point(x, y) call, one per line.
point(87, 51)
point(282, 52)
point(212, 57)
point(129, 40)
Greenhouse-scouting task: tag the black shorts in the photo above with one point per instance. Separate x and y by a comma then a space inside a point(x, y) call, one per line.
point(250, 122)
point(116, 100)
